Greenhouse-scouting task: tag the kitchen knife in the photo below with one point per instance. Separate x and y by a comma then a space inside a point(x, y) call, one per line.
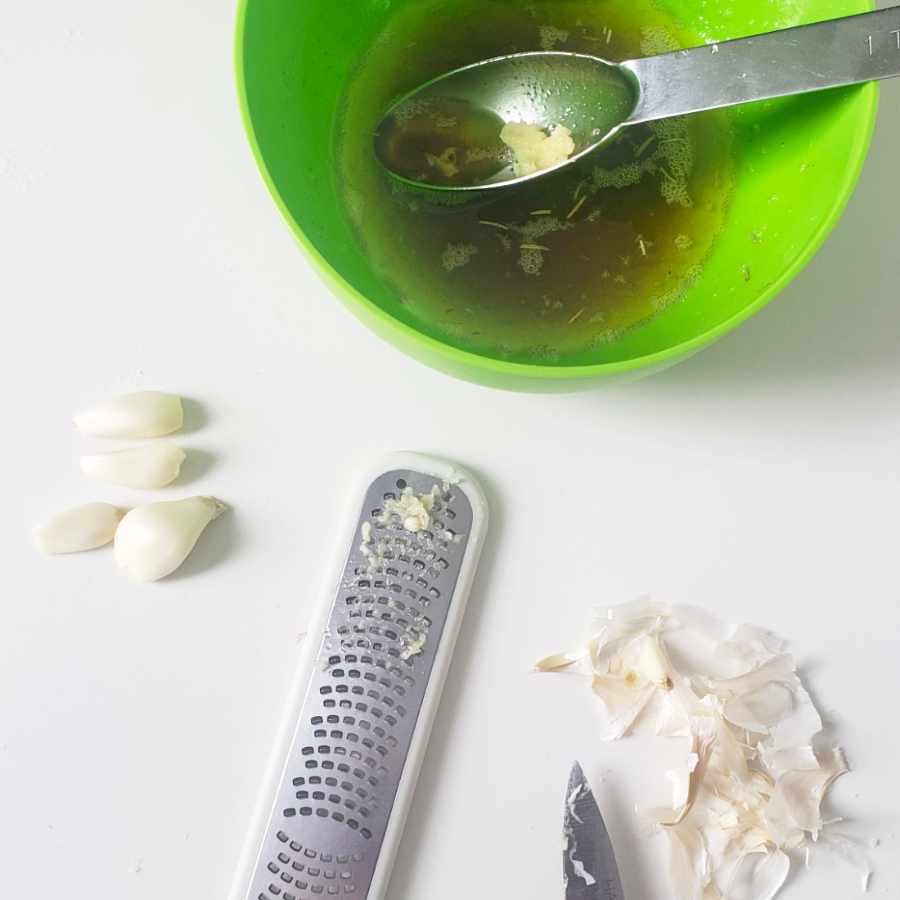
point(589, 863)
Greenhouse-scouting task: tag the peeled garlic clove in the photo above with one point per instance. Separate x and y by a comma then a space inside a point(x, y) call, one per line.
point(145, 414)
point(150, 466)
point(82, 528)
point(153, 541)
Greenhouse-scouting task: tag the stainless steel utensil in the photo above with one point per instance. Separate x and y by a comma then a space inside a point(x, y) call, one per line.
point(589, 863)
point(366, 693)
point(596, 98)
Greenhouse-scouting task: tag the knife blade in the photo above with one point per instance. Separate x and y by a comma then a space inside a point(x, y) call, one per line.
point(589, 863)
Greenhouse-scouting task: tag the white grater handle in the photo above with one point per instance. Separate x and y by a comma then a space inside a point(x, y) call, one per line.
point(251, 859)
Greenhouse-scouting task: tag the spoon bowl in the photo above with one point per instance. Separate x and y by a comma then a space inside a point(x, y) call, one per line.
point(445, 135)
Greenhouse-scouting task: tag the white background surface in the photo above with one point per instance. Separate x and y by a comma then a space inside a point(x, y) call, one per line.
point(140, 249)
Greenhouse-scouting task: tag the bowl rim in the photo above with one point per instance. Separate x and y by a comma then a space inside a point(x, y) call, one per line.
point(401, 334)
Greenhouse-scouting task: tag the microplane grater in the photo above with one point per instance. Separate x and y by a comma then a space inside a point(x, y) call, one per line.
point(366, 693)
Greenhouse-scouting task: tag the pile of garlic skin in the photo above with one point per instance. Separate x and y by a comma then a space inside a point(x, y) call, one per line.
point(749, 798)
point(151, 541)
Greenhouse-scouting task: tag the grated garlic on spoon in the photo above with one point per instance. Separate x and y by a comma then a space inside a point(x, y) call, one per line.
point(756, 776)
point(153, 541)
point(145, 414)
point(85, 527)
point(534, 149)
point(147, 467)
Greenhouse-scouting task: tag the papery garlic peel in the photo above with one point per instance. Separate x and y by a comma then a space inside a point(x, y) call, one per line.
point(148, 467)
point(144, 414)
point(755, 779)
point(153, 541)
point(82, 528)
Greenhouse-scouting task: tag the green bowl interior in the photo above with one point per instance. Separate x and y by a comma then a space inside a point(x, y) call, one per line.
point(797, 163)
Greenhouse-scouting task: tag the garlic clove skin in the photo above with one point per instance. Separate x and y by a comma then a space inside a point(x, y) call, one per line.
point(145, 414)
point(82, 528)
point(148, 467)
point(153, 541)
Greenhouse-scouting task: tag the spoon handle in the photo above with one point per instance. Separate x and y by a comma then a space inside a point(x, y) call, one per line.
point(793, 61)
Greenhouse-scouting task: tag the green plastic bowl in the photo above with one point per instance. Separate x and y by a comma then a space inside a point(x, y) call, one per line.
point(798, 161)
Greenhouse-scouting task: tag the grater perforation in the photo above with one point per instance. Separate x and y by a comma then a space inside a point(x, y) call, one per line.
point(343, 790)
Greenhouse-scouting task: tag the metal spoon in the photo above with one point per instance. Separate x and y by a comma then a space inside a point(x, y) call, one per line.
point(445, 135)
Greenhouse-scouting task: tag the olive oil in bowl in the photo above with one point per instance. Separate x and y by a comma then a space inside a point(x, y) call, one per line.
point(551, 271)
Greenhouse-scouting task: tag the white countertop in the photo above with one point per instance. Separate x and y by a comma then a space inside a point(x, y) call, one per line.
point(140, 249)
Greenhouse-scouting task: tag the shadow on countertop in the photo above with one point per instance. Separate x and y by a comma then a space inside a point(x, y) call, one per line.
point(841, 318)
point(219, 543)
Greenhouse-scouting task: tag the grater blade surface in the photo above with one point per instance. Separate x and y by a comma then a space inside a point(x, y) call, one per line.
point(361, 707)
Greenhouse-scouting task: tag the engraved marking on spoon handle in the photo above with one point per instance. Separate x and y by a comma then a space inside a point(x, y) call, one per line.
point(797, 60)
